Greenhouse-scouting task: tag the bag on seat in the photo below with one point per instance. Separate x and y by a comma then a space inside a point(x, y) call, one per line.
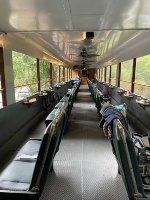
point(142, 149)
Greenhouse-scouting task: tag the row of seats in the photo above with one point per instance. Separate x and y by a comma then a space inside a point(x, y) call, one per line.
point(66, 102)
point(127, 162)
point(96, 94)
point(25, 176)
point(124, 151)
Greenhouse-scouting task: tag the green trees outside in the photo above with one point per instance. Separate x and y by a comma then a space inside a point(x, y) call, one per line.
point(126, 74)
point(113, 74)
point(24, 68)
point(44, 74)
point(142, 75)
point(55, 74)
point(25, 74)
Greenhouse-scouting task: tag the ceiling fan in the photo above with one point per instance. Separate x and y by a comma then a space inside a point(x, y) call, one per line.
point(85, 54)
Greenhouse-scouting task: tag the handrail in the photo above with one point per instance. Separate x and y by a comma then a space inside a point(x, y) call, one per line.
point(125, 81)
point(33, 83)
point(44, 81)
point(141, 84)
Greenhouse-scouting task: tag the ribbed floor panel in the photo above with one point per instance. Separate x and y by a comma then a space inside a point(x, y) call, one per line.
point(85, 167)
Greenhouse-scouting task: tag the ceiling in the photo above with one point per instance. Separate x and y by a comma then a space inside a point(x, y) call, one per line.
point(57, 28)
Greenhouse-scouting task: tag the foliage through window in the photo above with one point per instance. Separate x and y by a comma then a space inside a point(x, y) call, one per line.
point(25, 75)
point(126, 74)
point(66, 74)
point(113, 74)
point(44, 74)
point(107, 74)
point(55, 74)
point(142, 79)
point(61, 74)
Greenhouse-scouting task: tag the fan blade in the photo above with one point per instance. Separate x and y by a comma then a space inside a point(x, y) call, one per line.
point(92, 55)
point(90, 61)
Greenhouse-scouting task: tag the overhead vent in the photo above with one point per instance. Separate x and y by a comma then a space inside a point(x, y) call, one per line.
point(90, 35)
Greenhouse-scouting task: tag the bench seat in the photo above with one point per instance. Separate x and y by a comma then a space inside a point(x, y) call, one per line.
point(23, 164)
point(127, 162)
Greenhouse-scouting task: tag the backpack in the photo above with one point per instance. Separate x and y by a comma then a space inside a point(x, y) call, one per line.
point(142, 150)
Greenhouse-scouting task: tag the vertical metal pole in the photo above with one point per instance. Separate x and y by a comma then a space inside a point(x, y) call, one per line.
point(38, 74)
point(133, 75)
point(51, 74)
point(110, 75)
point(105, 74)
point(67, 74)
point(2, 74)
point(59, 73)
point(101, 74)
point(118, 74)
point(63, 73)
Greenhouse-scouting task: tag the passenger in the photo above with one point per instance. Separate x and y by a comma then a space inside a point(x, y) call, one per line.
point(105, 92)
point(75, 81)
point(109, 113)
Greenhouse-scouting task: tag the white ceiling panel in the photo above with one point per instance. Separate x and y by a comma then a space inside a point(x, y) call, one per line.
point(87, 22)
point(31, 15)
point(58, 25)
point(87, 6)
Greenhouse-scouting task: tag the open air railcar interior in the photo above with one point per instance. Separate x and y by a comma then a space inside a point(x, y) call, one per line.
point(75, 99)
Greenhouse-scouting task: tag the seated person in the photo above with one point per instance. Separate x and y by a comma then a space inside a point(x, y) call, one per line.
point(105, 92)
point(109, 113)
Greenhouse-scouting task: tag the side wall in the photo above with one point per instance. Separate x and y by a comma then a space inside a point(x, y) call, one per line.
point(16, 122)
point(138, 116)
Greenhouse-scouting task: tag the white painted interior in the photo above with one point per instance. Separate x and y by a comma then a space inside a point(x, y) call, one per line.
point(53, 30)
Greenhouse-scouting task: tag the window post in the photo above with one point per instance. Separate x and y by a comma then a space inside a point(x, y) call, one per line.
point(105, 74)
point(38, 74)
point(118, 74)
point(101, 74)
point(63, 73)
point(59, 73)
point(133, 75)
point(69, 73)
point(110, 75)
point(51, 74)
point(2, 74)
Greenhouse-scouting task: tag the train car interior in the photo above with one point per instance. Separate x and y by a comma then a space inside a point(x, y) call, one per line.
point(74, 100)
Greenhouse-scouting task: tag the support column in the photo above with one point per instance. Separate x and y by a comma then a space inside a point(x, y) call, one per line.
point(105, 71)
point(118, 74)
point(59, 73)
point(133, 75)
point(67, 74)
point(110, 75)
point(2, 74)
point(38, 74)
point(101, 74)
point(63, 73)
point(9, 75)
point(51, 74)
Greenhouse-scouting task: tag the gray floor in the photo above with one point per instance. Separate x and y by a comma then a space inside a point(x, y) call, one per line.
point(85, 167)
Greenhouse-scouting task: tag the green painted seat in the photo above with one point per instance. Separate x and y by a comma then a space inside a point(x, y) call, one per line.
point(127, 162)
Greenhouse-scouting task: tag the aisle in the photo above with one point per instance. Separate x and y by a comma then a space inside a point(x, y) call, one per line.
point(85, 167)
